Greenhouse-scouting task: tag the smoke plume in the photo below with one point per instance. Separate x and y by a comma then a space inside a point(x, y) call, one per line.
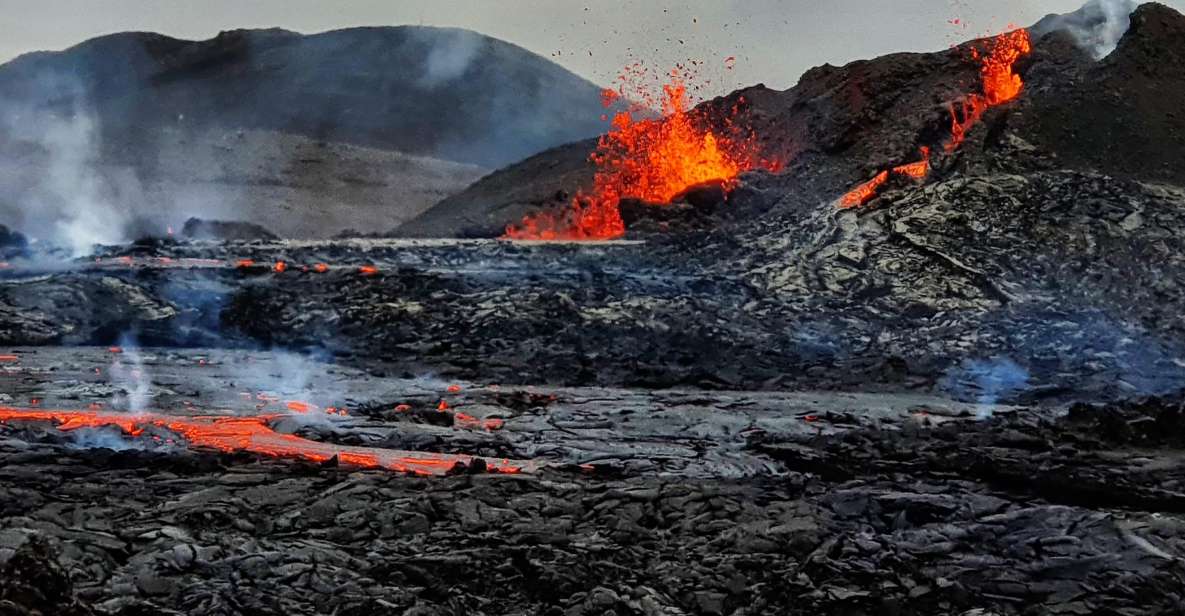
point(451, 53)
point(130, 375)
point(1097, 26)
point(68, 200)
point(986, 381)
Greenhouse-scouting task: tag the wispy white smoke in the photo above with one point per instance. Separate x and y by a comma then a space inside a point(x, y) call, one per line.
point(130, 375)
point(72, 186)
point(1097, 26)
point(450, 56)
point(986, 381)
point(69, 201)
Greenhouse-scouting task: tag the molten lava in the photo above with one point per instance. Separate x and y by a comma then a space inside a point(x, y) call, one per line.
point(1000, 84)
point(649, 159)
point(253, 434)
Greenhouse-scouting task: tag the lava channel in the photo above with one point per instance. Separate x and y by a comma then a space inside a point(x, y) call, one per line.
point(1000, 84)
point(253, 434)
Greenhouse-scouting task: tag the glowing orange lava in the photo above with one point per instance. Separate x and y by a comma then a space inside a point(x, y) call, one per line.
point(650, 159)
point(1000, 84)
point(253, 434)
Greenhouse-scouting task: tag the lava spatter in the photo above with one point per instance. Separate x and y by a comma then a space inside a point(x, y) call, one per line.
point(649, 159)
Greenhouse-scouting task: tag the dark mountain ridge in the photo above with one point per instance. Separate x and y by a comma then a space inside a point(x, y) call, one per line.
point(440, 92)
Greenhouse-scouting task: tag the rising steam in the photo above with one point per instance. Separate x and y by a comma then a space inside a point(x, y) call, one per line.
point(1097, 26)
point(130, 375)
point(69, 201)
point(449, 57)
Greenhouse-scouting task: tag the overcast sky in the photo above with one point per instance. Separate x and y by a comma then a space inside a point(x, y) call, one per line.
point(774, 41)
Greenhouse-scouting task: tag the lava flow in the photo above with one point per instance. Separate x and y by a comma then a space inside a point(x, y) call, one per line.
point(253, 434)
point(649, 159)
point(1000, 84)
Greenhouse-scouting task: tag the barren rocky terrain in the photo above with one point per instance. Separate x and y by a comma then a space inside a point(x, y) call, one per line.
point(963, 397)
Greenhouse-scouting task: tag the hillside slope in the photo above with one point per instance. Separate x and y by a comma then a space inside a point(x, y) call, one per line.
point(310, 135)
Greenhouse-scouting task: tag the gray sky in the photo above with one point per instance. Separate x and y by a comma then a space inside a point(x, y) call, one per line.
point(774, 41)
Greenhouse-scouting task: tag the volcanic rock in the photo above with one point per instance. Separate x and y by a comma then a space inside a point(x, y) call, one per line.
point(223, 230)
point(12, 243)
point(33, 583)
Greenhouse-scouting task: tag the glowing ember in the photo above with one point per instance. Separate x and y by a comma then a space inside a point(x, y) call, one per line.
point(8, 359)
point(279, 267)
point(299, 407)
point(473, 423)
point(651, 160)
point(368, 270)
point(865, 192)
point(254, 435)
point(1000, 85)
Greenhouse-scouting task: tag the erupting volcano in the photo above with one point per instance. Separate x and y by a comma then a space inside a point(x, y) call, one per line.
point(649, 159)
point(717, 392)
point(1000, 84)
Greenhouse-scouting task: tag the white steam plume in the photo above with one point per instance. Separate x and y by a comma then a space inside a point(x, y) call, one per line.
point(450, 56)
point(1097, 26)
point(130, 375)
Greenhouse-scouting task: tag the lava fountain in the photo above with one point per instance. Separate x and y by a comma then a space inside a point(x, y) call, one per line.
point(653, 160)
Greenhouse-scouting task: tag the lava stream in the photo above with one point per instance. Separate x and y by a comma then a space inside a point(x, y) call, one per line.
point(1000, 84)
point(253, 434)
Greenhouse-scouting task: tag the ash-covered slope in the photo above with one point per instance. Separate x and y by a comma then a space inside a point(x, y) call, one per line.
point(1123, 115)
point(293, 185)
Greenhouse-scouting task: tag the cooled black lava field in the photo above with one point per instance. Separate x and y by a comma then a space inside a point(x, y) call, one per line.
point(965, 396)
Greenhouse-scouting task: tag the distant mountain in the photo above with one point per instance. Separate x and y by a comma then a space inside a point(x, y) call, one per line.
point(440, 92)
point(306, 135)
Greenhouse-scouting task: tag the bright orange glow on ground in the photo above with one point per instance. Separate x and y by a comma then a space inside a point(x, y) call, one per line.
point(253, 434)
